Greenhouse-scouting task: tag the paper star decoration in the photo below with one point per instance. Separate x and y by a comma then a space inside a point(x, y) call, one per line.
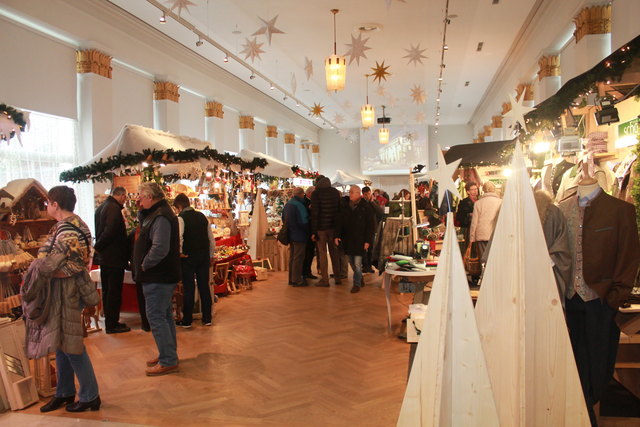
point(252, 49)
point(518, 111)
point(415, 55)
point(338, 119)
point(380, 72)
point(443, 175)
point(388, 3)
point(418, 94)
point(269, 28)
point(391, 101)
point(317, 110)
point(347, 105)
point(308, 67)
point(180, 4)
point(357, 49)
point(294, 83)
point(381, 91)
point(420, 117)
point(345, 133)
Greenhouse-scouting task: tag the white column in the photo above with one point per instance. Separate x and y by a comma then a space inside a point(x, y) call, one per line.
point(246, 133)
point(166, 114)
point(290, 148)
point(271, 141)
point(315, 157)
point(497, 133)
point(214, 126)
point(593, 35)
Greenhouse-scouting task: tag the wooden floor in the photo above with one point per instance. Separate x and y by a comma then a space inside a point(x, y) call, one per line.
point(276, 355)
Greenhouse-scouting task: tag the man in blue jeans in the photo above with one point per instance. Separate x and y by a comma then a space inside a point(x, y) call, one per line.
point(196, 252)
point(156, 264)
point(355, 232)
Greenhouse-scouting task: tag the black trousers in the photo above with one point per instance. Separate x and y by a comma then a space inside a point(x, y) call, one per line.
point(309, 253)
point(142, 306)
point(196, 266)
point(111, 279)
point(594, 338)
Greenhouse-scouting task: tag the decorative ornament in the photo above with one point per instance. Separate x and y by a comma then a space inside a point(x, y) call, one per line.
point(357, 49)
point(517, 112)
point(317, 110)
point(338, 119)
point(418, 94)
point(383, 133)
point(252, 49)
point(389, 2)
point(420, 117)
point(335, 66)
point(294, 83)
point(269, 28)
point(443, 175)
point(180, 4)
point(12, 123)
point(347, 105)
point(415, 55)
point(367, 112)
point(381, 90)
point(308, 67)
point(380, 72)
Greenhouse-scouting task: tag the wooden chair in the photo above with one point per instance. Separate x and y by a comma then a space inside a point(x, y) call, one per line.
point(220, 279)
point(243, 273)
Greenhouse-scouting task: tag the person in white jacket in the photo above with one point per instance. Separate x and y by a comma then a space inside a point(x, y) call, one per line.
point(483, 220)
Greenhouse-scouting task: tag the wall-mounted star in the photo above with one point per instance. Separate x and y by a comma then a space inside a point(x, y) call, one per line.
point(380, 72)
point(338, 119)
point(388, 3)
point(443, 175)
point(420, 117)
point(269, 28)
point(317, 110)
point(180, 4)
point(308, 67)
point(252, 49)
point(518, 111)
point(357, 48)
point(418, 94)
point(294, 83)
point(381, 90)
point(415, 54)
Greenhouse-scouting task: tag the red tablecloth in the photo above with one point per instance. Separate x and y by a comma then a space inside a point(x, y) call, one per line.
point(229, 241)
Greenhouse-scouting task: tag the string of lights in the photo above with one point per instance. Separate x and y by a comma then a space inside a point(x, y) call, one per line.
point(228, 55)
point(445, 47)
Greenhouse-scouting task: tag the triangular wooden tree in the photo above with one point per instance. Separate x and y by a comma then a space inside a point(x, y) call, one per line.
point(258, 227)
point(449, 384)
point(522, 326)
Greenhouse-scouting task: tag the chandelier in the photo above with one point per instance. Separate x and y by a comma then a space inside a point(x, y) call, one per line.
point(367, 112)
point(335, 66)
point(383, 133)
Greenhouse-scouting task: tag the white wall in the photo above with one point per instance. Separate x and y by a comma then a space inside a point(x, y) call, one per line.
point(447, 136)
point(132, 98)
point(336, 153)
point(231, 132)
point(260, 135)
point(624, 22)
point(191, 115)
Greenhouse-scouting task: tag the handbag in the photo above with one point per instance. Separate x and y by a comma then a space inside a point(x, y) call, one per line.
point(283, 234)
point(472, 261)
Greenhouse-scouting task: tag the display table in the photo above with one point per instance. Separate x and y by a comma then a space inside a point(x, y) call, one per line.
point(415, 276)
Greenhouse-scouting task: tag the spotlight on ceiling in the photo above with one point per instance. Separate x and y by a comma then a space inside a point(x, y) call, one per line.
point(272, 87)
point(284, 98)
point(252, 76)
point(199, 42)
point(163, 18)
point(445, 47)
point(226, 58)
point(297, 104)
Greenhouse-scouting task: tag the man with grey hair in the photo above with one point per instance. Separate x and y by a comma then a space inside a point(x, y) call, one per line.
point(156, 264)
point(296, 216)
point(112, 255)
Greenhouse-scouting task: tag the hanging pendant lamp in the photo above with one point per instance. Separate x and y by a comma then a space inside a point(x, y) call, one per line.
point(335, 66)
point(383, 133)
point(367, 112)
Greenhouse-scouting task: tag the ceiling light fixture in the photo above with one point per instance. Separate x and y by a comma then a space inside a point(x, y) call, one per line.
point(445, 47)
point(226, 58)
point(383, 133)
point(271, 86)
point(335, 66)
point(252, 76)
point(367, 112)
point(163, 18)
point(199, 42)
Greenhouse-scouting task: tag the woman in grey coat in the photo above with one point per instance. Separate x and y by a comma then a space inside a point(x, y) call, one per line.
point(56, 288)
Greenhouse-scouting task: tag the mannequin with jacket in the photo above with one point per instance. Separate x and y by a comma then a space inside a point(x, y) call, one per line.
point(603, 241)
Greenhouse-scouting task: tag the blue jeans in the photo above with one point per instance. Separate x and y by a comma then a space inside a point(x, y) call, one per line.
point(80, 365)
point(160, 315)
point(356, 265)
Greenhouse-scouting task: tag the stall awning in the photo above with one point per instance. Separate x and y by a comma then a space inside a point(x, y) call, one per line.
point(342, 178)
point(275, 167)
point(481, 154)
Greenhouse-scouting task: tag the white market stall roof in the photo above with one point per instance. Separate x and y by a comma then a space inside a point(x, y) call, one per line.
point(275, 167)
point(342, 178)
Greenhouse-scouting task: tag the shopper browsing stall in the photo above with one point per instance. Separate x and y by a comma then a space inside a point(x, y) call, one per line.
point(156, 264)
point(325, 207)
point(296, 219)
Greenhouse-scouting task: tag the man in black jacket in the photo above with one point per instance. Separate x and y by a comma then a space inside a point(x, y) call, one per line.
point(196, 253)
point(156, 264)
point(325, 206)
point(112, 255)
point(355, 233)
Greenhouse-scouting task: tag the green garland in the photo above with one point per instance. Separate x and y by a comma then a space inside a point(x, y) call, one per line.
point(546, 114)
point(635, 190)
point(102, 170)
point(16, 116)
point(301, 173)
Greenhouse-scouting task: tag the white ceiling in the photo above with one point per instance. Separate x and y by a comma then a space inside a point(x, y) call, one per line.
point(308, 32)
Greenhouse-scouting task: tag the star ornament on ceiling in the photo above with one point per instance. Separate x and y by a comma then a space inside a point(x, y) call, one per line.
point(357, 48)
point(420, 117)
point(518, 111)
point(380, 72)
point(308, 67)
point(317, 110)
point(418, 94)
point(338, 119)
point(180, 4)
point(252, 49)
point(269, 28)
point(415, 55)
point(381, 90)
point(443, 175)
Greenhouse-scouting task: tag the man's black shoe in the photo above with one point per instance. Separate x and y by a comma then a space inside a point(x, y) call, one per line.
point(57, 402)
point(145, 327)
point(118, 329)
point(355, 289)
point(311, 276)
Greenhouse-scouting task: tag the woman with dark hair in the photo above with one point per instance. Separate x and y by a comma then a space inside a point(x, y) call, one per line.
point(465, 210)
point(56, 288)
